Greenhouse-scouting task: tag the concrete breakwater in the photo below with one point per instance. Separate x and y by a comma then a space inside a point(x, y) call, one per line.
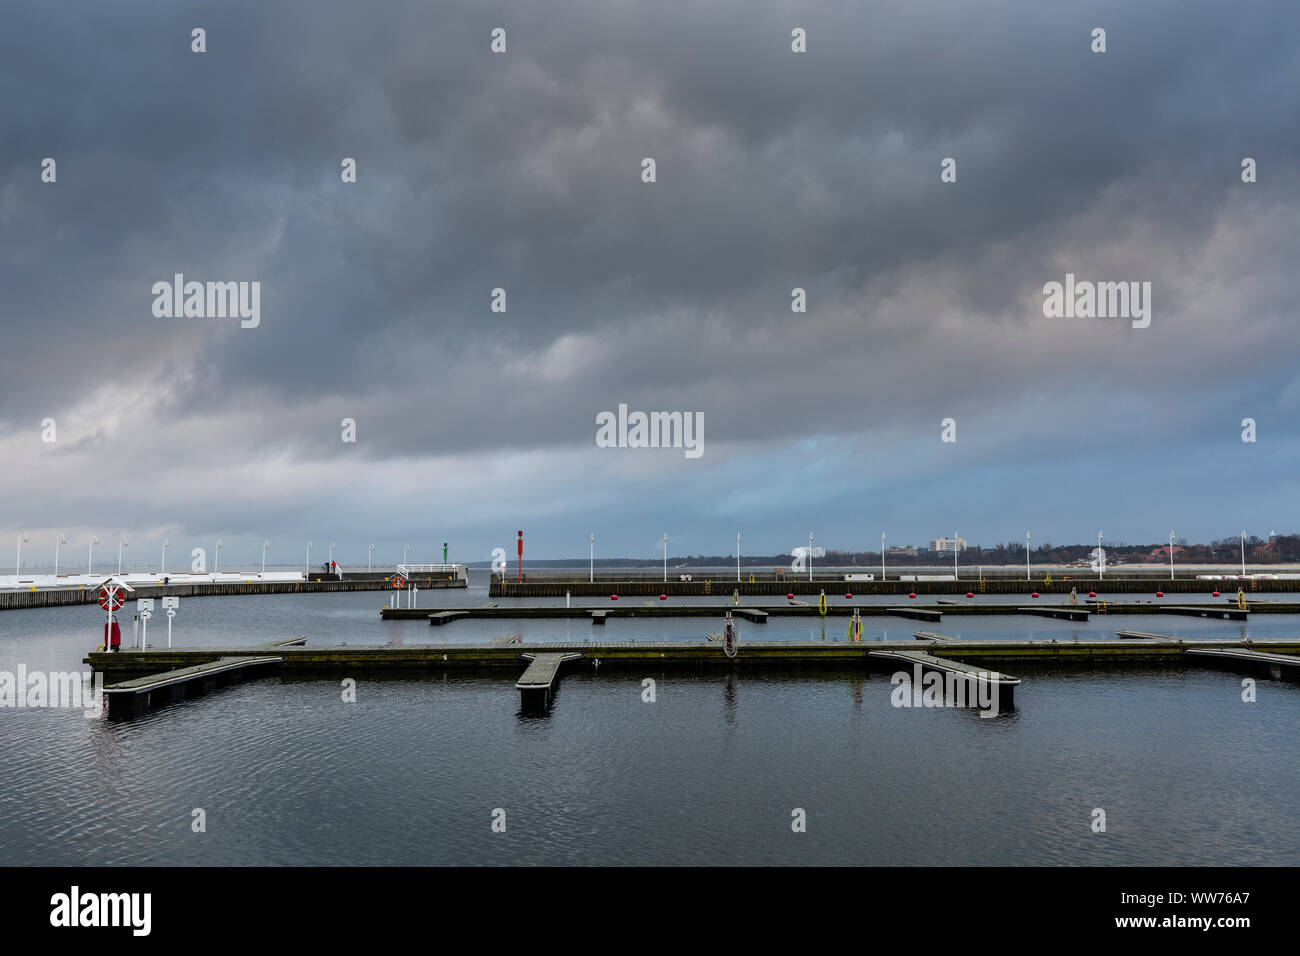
point(550, 586)
point(57, 597)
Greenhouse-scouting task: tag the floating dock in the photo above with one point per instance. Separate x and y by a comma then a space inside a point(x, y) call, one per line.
point(986, 684)
point(919, 612)
point(1219, 613)
point(537, 685)
point(1060, 613)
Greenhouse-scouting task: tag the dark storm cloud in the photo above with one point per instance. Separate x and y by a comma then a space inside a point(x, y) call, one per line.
point(522, 171)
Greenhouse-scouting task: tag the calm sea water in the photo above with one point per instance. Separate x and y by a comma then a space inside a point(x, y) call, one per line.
point(709, 773)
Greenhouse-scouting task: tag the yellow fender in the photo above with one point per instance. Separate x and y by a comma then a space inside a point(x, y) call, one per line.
point(821, 604)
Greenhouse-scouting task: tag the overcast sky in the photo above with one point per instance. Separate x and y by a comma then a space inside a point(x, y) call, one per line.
point(523, 170)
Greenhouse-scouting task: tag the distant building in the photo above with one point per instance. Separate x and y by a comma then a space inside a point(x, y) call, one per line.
point(949, 545)
point(909, 551)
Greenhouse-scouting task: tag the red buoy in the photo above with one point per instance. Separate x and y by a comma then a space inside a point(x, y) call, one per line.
point(912, 595)
point(848, 597)
point(1035, 594)
point(1160, 594)
point(970, 593)
point(789, 597)
point(613, 597)
point(663, 597)
point(1092, 594)
point(1215, 594)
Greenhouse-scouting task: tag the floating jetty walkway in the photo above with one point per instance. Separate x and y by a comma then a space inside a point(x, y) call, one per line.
point(160, 675)
point(543, 584)
point(758, 615)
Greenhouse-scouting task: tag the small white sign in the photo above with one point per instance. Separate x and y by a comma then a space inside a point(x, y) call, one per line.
point(144, 604)
point(171, 602)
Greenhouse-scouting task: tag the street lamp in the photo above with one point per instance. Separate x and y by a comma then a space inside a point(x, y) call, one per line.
point(61, 539)
point(265, 545)
point(665, 557)
point(370, 556)
point(882, 555)
point(1243, 554)
point(954, 555)
point(737, 557)
point(1026, 555)
point(217, 568)
point(306, 567)
point(810, 541)
point(162, 571)
point(90, 556)
point(1101, 560)
point(121, 543)
point(1171, 555)
point(591, 558)
point(331, 555)
point(22, 536)
point(404, 553)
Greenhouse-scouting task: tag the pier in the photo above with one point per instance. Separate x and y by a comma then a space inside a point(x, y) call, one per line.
point(551, 584)
point(999, 687)
point(920, 612)
point(135, 696)
point(537, 685)
point(318, 583)
point(1060, 613)
point(158, 669)
point(1276, 665)
point(1221, 613)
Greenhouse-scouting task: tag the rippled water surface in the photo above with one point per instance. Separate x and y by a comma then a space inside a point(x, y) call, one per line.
point(709, 773)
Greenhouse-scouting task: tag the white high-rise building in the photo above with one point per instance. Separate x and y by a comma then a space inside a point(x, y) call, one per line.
point(948, 544)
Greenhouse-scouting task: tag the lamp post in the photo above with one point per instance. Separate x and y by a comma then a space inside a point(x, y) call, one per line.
point(810, 541)
point(1026, 555)
point(265, 545)
point(306, 566)
point(1243, 554)
point(90, 556)
point(121, 543)
point(591, 558)
point(405, 551)
point(370, 555)
point(162, 569)
point(954, 555)
point(882, 555)
point(737, 557)
point(331, 555)
point(60, 539)
point(1171, 555)
point(665, 557)
point(18, 563)
point(217, 568)
point(1101, 560)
